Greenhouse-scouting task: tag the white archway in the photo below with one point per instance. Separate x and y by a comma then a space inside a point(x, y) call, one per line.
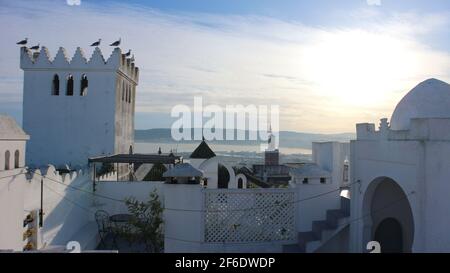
point(385, 200)
point(243, 181)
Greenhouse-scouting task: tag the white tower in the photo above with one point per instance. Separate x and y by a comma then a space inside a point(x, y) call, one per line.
point(77, 108)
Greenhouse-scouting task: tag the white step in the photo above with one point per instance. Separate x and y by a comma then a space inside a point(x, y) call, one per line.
point(326, 236)
point(313, 246)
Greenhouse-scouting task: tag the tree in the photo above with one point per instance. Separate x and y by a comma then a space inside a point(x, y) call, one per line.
point(147, 222)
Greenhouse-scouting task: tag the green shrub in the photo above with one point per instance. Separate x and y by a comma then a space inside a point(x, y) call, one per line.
point(147, 222)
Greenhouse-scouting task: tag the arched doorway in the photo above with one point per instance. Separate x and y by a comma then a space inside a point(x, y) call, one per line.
point(7, 155)
point(223, 177)
point(390, 236)
point(16, 159)
point(240, 183)
point(388, 216)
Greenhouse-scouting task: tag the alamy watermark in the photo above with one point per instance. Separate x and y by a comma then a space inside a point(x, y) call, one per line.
point(232, 122)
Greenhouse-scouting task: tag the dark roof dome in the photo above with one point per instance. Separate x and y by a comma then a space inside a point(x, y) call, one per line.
point(203, 151)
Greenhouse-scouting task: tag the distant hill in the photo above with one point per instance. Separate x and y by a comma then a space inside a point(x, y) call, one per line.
point(287, 138)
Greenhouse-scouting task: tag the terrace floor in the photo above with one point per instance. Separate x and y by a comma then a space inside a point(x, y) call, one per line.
point(122, 245)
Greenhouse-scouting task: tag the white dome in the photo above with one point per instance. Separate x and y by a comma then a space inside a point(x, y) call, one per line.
point(429, 99)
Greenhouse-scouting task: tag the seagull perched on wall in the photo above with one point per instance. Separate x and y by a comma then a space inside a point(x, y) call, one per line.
point(116, 43)
point(36, 47)
point(23, 42)
point(128, 53)
point(97, 43)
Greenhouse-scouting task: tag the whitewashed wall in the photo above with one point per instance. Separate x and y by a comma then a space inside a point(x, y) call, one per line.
point(12, 186)
point(183, 218)
point(185, 212)
point(329, 156)
point(397, 160)
point(70, 127)
point(12, 146)
point(417, 160)
point(66, 211)
point(436, 201)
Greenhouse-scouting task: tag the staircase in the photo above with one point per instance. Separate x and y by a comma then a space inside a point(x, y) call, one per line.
point(322, 230)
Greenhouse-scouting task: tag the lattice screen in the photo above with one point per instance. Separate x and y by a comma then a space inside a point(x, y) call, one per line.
point(249, 215)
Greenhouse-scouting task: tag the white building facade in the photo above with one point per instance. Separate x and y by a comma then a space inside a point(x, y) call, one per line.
point(401, 173)
point(76, 108)
point(12, 161)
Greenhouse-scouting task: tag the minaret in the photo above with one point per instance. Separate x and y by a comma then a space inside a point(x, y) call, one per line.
point(345, 175)
point(271, 155)
point(75, 108)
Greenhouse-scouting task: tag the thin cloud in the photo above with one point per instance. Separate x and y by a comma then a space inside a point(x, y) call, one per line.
point(373, 2)
point(73, 2)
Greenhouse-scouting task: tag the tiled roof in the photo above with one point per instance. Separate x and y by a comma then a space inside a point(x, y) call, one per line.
point(310, 170)
point(183, 170)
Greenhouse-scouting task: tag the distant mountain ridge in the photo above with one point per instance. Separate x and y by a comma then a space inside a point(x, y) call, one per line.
point(288, 139)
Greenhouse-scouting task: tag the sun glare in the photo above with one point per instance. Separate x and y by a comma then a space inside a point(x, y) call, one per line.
point(359, 68)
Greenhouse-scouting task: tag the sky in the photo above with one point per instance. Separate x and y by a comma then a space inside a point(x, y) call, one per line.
point(327, 64)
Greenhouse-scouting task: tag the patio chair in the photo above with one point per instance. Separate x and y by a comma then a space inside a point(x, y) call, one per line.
point(104, 227)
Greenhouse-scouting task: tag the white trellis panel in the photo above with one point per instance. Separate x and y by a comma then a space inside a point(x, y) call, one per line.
point(249, 215)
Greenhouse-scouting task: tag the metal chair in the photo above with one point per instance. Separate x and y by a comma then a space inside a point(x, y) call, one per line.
point(104, 227)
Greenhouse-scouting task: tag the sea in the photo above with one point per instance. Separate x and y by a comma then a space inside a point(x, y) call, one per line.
point(234, 154)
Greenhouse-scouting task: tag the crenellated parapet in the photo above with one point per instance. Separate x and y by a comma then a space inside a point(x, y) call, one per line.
point(110, 176)
point(421, 129)
point(42, 60)
point(51, 173)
